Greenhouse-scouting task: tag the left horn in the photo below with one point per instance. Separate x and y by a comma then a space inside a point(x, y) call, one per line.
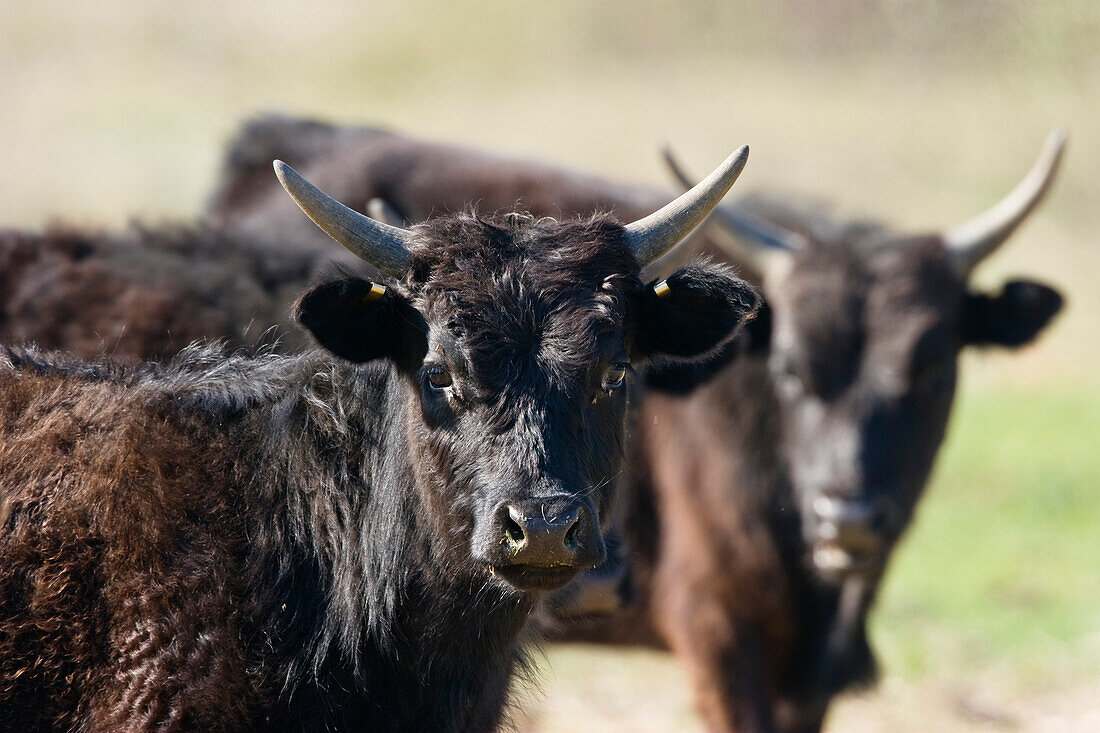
point(970, 243)
point(382, 245)
point(657, 234)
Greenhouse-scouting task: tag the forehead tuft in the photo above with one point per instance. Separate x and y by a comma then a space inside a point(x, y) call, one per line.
point(519, 287)
point(831, 281)
point(461, 251)
point(845, 299)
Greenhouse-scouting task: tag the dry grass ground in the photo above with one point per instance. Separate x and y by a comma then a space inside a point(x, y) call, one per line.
point(645, 692)
point(919, 112)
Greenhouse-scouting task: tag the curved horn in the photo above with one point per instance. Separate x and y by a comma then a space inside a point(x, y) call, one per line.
point(970, 243)
point(752, 241)
point(655, 235)
point(381, 245)
point(744, 224)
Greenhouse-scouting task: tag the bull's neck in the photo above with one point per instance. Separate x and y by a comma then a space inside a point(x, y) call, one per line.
point(842, 654)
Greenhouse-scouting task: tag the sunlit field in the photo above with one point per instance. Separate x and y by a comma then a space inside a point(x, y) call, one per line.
point(917, 113)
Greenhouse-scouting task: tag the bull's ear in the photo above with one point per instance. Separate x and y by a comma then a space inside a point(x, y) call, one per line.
point(360, 321)
point(692, 312)
point(1011, 318)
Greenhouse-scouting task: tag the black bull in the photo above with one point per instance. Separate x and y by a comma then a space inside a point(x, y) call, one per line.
point(761, 507)
point(354, 543)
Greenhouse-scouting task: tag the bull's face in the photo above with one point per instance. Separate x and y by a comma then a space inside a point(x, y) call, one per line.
point(516, 338)
point(522, 396)
point(863, 354)
point(864, 359)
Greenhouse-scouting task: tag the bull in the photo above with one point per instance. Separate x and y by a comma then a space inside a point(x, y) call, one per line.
point(351, 538)
point(148, 291)
point(768, 501)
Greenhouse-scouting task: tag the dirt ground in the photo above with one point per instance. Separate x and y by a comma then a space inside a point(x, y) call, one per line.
point(595, 689)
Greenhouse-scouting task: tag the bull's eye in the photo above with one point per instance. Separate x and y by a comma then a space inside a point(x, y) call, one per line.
point(439, 378)
point(614, 376)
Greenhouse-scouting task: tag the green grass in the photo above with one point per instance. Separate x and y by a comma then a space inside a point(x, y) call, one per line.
point(1002, 566)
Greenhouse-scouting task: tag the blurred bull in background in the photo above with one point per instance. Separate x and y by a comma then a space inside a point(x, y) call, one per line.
point(147, 292)
point(414, 178)
point(770, 486)
point(768, 500)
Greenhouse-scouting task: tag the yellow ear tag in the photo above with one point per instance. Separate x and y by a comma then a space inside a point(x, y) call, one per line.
point(662, 289)
point(376, 292)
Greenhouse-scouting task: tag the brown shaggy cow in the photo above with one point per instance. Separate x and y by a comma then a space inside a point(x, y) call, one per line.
point(349, 539)
point(147, 292)
point(766, 504)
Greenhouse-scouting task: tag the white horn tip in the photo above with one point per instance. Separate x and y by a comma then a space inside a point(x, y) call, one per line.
point(973, 241)
point(281, 170)
point(740, 156)
point(1056, 142)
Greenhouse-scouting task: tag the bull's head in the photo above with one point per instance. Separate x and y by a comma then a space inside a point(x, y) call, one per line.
point(866, 329)
point(516, 339)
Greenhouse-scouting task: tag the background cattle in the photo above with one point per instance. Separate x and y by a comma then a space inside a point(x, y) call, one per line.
point(310, 543)
point(766, 506)
point(417, 179)
point(148, 291)
point(768, 501)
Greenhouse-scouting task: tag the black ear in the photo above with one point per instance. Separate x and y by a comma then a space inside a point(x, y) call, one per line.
point(1012, 318)
point(692, 312)
point(348, 318)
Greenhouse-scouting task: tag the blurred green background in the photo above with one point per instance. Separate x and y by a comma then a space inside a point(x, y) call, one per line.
point(918, 113)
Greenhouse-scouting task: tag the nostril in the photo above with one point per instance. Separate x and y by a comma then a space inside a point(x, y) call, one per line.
point(571, 535)
point(513, 531)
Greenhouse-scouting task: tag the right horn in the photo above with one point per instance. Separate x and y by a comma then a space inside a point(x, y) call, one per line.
point(752, 241)
point(382, 245)
point(970, 243)
point(656, 235)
